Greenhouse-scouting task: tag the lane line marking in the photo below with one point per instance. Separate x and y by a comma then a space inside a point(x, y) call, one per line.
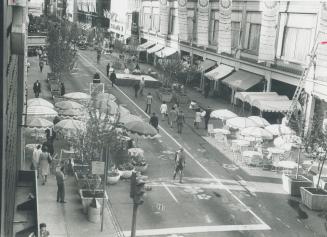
point(186, 151)
point(170, 192)
point(196, 229)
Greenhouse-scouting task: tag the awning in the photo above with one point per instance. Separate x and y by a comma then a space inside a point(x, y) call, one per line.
point(155, 48)
point(206, 64)
point(250, 98)
point(165, 52)
point(145, 46)
point(219, 72)
point(241, 95)
point(281, 106)
point(242, 80)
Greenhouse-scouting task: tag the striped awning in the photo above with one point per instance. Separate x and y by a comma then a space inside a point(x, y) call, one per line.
point(242, 80)
point(165, 52)
point(219, 72)
point(207, 64)
point(145, 46)
point(240, 95)
point(281, 106)
point(155, 48)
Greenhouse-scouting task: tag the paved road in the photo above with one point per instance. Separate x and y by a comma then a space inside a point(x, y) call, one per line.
point(214, 200)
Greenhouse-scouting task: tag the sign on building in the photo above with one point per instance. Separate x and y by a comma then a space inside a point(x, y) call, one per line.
point(98, 167)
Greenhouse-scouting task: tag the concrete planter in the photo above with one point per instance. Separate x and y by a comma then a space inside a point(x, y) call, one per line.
point(113, 177)
point(83, 182)
point(126, 174)
point(87, 197)
point(292, 186)
point(313, 198)
point(165, 96)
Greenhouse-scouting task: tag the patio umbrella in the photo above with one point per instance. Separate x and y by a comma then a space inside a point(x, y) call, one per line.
point(39, 102)
point(259, 120)
point(70, 127)
point(123, 111)
point(279, 129)
point(107, 106)
point(71, 113)
point(129, 118)
point(105, 96)
point(77, 96)
point(287, 141)
point(223, 114)
point(257, 132)
point(141, 128)
point(68, 105)
point(241, 122)
point(41, 111)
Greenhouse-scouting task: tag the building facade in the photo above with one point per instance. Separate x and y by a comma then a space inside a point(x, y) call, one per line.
point(271, 39)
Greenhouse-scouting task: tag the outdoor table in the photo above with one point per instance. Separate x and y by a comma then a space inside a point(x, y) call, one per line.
point(31, 146)
point(242, 144)
point(251, 154)
point(252, 157)
point(222, 131)
point(136, 152)
point(275, 150)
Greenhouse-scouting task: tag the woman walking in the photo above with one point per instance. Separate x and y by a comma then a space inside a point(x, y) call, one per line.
point(197, 119)
point(45, 159)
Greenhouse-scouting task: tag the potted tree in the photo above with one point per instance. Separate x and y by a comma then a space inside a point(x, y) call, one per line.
point(315, 198)
point(139, 163)
point(126, 170)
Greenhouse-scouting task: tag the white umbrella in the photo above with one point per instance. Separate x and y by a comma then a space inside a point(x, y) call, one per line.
point(71, 113)
point(279, 129)
point(41, 111)
point(257, 132)
point(241, 122)
point(108, 106)
point(106, 96)
point(70, 127)
point(39, 102)
point(287, 141)
point(39, 123)
point(223, 114)
point(259, 120)
point(68, 105)
point(77, 96)
point(286, 164)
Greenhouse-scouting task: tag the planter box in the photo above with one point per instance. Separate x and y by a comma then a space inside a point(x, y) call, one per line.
point(292, 186)
point(165, 96)
point(314, 200)
point(113, 179)
point(82, 183)
point(87, 199)
point(126, 174)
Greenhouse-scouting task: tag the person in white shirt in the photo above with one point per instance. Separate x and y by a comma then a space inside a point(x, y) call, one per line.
point(126, 70)
point(35, 159)
point(163, 110)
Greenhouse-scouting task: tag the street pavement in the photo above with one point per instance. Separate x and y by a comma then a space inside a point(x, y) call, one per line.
point(217, 197)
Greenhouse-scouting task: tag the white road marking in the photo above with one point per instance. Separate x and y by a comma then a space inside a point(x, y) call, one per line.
point(170, 192)
point(186, 151)
point(197, 229)
point(208, 219)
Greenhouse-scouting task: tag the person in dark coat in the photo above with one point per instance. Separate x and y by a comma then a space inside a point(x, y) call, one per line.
point(154, 121)
point(108, 69)
point(206, 89)
point(41, 64)
point(136, 88)
point(60, 177)
point(37, 88)
point(207, 117)
point(113, 78)
point(62, 89)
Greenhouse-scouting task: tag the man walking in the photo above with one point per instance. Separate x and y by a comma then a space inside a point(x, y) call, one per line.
point(41, 64)
point(37, 88)
point(163, 110)
point(136, 88)
point(172, 117)
point(60, 177)
point(108, 69)
point(154, 121)
point(148, 103)
point(207, 117)
point(180, 120)
point(142, 85)
point(179, 164)
point(113, 78)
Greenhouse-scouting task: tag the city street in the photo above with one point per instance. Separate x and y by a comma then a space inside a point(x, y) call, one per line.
point(215, 195)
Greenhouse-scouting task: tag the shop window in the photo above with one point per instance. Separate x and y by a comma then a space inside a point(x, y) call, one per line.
point(214, 28)
point(236, 28)
point(252, 32)
point(172, 21)
point(191, 25)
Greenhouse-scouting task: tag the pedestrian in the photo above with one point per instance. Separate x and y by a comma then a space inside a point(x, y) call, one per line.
point(137, 67)
point(28, 66)
point(206, 89)
point(176, 108)
point(56, 120)
point(43, 230)
point(180, 121)
point(50, 135)
point(136, 88)
point(154, 121)
point(60, 177)
point(142, 85)
point(172, 117)
point(37, 88)
point(98, 55)
point(41, 64)
point(36, 159)
point(45, 160)
point(108, 69)
point(39, 52)
point(207, 117)
point(179, 164)
point(198, 118)
point(163, 110)
point(62, 89)
point(148, 103)
point(113, 78)
point(126, 70)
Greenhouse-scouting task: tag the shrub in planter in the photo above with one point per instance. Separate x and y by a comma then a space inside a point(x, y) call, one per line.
point(126, 170)
point(88, 195)
point(140, 165)
point(113, 177)
point(292, 184)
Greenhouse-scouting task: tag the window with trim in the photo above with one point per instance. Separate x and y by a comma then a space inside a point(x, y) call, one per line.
point(172, 21)
point(297, 36)
point(252, 33)
point(156, 20)
point(147, 18)
point(191, 25)
point(213, 27)
point(236, 29)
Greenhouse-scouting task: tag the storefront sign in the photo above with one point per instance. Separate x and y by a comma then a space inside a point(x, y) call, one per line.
point(97, 167)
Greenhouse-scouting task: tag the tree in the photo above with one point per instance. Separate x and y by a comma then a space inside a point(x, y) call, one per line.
point(169, 69)
point(61, 54)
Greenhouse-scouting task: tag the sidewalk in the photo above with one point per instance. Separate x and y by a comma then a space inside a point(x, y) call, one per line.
point(63, 220)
